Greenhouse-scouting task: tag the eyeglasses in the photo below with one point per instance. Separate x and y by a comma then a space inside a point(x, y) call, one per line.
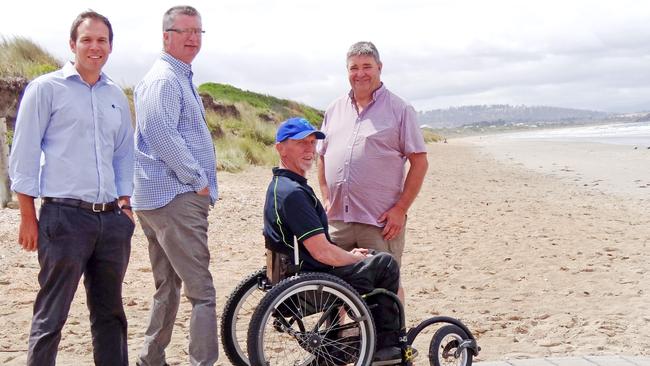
point(187, 31)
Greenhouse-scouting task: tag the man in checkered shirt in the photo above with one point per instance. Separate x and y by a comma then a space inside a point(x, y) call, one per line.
point(175, 185)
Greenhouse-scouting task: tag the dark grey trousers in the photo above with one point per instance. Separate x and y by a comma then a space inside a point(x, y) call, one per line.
point(378, 271)
point(72, 242)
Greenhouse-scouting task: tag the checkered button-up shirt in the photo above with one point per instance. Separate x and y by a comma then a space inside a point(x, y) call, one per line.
point(174, 152)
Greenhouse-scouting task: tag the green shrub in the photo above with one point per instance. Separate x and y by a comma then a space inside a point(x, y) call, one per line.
point(430, 136)
point(9, 135)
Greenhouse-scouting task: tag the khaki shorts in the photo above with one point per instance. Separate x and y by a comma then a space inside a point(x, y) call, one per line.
point(350, 235)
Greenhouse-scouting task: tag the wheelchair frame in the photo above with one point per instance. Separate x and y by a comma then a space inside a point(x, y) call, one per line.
point(460, 348)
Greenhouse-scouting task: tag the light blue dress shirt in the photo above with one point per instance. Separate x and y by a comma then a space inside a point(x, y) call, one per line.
point(73, 140)
point(174, 152)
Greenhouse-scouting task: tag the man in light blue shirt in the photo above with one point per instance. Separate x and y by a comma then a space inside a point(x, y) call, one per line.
point(73, 147)
point(175, 184)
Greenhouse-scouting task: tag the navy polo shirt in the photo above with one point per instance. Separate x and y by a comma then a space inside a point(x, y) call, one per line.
point(292, 210)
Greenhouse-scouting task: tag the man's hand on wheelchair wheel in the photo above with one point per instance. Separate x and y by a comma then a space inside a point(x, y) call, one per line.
point(394, 219)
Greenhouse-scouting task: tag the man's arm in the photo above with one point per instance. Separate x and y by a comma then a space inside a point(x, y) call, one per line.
point(24, 163)
point(123, 160)
point(28, 231)
point(324, 191)
point(123, 151)
point(327, 253)
point(395, 217)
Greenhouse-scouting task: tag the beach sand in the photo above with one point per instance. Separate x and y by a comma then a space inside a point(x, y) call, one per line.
point(535, 262)
point(609, 168)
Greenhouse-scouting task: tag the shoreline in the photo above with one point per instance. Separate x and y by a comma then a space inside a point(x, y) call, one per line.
point(536, 265)
point(606, 168)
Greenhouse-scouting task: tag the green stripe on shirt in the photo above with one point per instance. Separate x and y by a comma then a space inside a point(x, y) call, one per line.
point(309, 232)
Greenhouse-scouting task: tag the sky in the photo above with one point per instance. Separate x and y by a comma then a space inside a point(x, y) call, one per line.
point(436, 54)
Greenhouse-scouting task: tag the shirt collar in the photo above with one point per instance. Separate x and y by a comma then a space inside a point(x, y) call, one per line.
point(177, 64)
point(289, 174)
point(70, 71)
point(376, 94)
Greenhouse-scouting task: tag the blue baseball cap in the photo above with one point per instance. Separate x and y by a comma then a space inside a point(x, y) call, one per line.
point(296, 129)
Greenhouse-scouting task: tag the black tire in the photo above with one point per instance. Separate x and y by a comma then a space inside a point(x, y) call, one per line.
point(311, 319)
point(236, 316)
point(443, 345)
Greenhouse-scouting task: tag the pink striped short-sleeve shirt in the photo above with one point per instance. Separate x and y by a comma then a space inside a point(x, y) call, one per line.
point(365, 154)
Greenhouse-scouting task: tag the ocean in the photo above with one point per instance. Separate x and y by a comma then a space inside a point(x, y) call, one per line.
point(633, 134)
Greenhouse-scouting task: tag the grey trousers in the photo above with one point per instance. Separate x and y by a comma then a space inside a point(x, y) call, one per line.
point(178, 250)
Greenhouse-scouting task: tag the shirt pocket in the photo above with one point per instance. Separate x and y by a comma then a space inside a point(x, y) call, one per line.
point(380, 140)
point(110, 119)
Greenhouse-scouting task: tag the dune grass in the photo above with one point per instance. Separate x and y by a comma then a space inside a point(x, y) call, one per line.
point(250, 138)
point(280, 109)
point(430, 136)
point(236, 153)
point(244, 141)
point(21, 57)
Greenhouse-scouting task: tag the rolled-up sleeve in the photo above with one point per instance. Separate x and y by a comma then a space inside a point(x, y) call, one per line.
point(411, 139)
point(32, 120)
point(123, 154)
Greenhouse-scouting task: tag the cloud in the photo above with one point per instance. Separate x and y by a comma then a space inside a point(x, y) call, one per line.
point(583, 54)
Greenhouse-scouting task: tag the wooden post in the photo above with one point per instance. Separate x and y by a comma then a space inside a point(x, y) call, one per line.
point(5, 188)
point(11, 89)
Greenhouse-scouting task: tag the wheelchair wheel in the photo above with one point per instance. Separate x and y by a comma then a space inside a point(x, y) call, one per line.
point(311, 319)
point(443, 347)
point(236, 316)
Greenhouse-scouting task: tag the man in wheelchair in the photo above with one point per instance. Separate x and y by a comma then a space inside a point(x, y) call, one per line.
point(293, 211)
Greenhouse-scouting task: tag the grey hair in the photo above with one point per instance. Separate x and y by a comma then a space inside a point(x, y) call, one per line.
point(170, 15)
point(363, 48)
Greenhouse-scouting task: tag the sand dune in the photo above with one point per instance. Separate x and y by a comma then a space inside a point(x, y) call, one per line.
point(535, 264)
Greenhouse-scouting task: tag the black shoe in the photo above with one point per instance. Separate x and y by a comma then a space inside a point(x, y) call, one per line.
point(387, 356)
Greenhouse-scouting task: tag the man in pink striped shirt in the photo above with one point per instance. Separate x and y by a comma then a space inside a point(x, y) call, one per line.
point(371, 133)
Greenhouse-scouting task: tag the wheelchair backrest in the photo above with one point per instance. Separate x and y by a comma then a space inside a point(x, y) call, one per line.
point(278, 266)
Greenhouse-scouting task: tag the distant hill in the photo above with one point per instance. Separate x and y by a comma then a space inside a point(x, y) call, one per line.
point(644, 118)
point(504, 114)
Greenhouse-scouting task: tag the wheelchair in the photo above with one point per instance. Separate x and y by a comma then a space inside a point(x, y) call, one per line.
point(279, 316)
